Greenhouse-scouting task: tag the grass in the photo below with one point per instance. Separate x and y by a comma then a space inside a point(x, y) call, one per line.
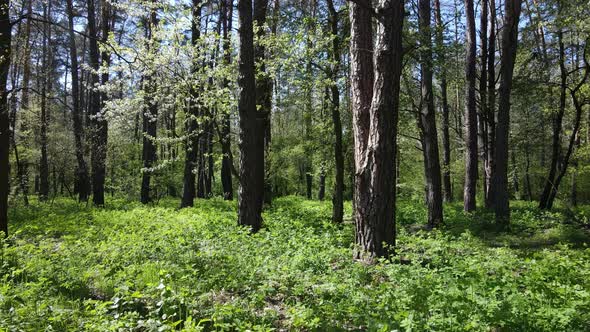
point(129, 267)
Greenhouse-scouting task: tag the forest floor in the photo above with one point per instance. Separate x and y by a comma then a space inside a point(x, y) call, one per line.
point(68, 267)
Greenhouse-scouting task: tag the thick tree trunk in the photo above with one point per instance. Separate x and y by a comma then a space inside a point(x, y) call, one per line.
point(375, 99)
point(191, 126)
point(338, 195)
point(5, 56)
point(427, 121)
point(82, 180)
point(446, 140)
point(471, 157)
point(45, 89)
point(150, 118)
point(508, 57)
point(251, 136)
point(491, 105)
point(226, 166)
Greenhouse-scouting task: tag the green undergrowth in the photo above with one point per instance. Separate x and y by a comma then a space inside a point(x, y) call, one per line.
point(127, 267)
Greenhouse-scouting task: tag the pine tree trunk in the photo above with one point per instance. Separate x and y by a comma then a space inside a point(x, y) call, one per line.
point(5, 48)
point(491, 105)
point(82, 180)
point(500, 174)
point(470, 187)
point(251, 143)
point(375, 99)
point(427, 121)
point(483, 95)
point(226, 166)
point(446, 141)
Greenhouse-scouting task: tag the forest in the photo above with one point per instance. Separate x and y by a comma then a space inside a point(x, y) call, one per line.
point(294, 165)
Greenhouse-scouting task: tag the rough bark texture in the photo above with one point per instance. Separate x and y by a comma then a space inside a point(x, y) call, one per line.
point(470, 186)
point(251, 143)
point(446, 140)
point(77, 117)
point(5, 44)
point(150, 118)
point(192, 141)
point(338, 195)
point(500, 174)
point(427, 120)
point(375, 101)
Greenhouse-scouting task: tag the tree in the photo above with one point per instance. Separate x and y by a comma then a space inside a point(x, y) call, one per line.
point(470, 186)
point(491, 105)
point(192, 141)
point(150, 112)
point(83, 184)
point(507, 60)
point(334, 54)
point(224, 133)
point(5, 56)
point(446, 140)
point(45, 89)
point(251, 142)
point(375, 103)
point(427, 120)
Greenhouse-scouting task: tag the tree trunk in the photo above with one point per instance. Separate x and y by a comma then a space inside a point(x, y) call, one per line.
point(375, 101)
point(446, 140)
point(491, 104)
point(5, 48)
point(508, 57)
point(471, 157)
point(251, 143)
point(191, 126)
point(150, 118)
point(483, 92)
point(45, 89)
point(338, 195)
point(83, 185)
point(322, 185)
point(557, 120)
point(427, 120)
point(226, 166)
point(23, 168)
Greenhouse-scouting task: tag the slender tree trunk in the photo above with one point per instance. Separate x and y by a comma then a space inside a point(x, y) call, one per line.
point(483, 90)
point(508, 57)
point(427, 120)
point(557, 121)
point(226, 166)
point(251, 137)
point(45, 89)
point(191, 126)
point(491, 104)
point(150, 118)
point(446, 141)
point(338, 195)
point(375, 99)
point(471, 157)
point(82, 180)
point(5, 48)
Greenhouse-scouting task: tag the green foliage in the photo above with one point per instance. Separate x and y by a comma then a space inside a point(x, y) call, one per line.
point(129, 267)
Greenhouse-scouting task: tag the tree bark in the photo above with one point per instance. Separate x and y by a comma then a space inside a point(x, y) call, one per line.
point(5, 56)
point(483, 92)
point(446, 141)
point(251, 143)
point(81, 170)
point(334, 54)
point(375, 101)
point(427, 120)
point(508, 58)
point(191, 126)
point(150, 118)
point(226, 166)
point(469, 190)
point(491, 105)
point(45, 89)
